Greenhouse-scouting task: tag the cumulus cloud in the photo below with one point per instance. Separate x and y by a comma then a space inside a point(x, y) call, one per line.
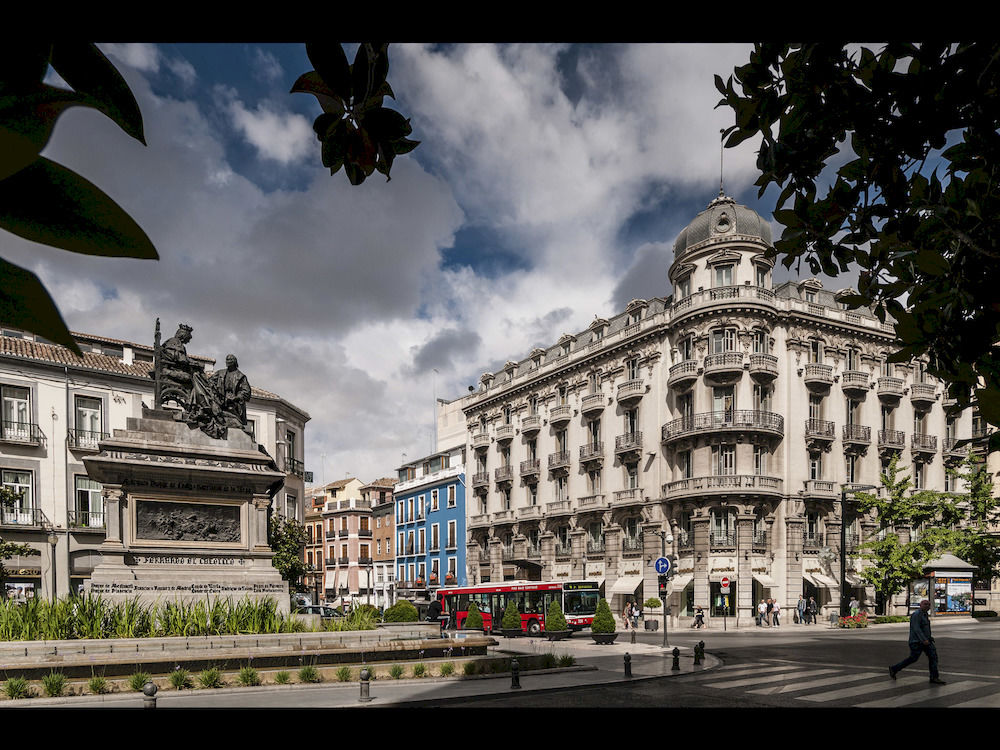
point(281, 136)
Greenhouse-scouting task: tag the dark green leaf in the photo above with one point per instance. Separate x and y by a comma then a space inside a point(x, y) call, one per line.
point(50, 204)
point(311, 83)
point(404, 146)
point(88, 71)
point(330, 62)
point(361, 74)
point(386, 124)
point(25, 304)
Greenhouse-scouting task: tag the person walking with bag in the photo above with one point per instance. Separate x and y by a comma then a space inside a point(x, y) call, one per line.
point(801, 608)
point(775, 612)
point(813, 609)
point(921, 642)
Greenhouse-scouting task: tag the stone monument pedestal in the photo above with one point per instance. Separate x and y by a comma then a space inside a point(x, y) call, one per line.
point(187, 515)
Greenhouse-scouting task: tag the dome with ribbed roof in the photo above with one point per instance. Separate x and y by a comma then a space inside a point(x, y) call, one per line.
point(723, 217)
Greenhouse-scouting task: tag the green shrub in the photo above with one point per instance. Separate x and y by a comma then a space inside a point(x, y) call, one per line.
point(555, 620)
point(396, 671)
point(402, 611)
point(469, 668)
point(97, 685)
point(474, 620)
point(249, 677)
point(511, 619)
point(604, 621)
point(652, 603)
point(567, 660)
point(282, 677)
point(180, 679)
point(17, 687)
point(137, 680)
point(447, 669)
point(891, 618)
point(211, 678)
point(548, 661)
point(419, 670)
point(309, 673)
point(54, 684)
point(344, 674)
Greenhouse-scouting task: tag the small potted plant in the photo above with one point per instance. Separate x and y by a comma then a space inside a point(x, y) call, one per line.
point(510, 623)
point(555, 623)
point(602, 629)
point(474, 620)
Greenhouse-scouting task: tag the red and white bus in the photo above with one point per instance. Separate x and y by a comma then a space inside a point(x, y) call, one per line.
point(578, 600)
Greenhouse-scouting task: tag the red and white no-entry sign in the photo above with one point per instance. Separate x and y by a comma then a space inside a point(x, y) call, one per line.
point(725, 584)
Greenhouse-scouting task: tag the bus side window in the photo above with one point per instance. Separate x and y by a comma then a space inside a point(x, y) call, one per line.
point(463, 602)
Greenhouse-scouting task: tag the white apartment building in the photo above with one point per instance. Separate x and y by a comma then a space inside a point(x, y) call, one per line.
point(56, 408)
point(717, 425)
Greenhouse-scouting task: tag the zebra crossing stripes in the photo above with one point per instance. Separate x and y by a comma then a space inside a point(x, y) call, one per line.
point(878, 686)
point(757, 676)
point(795, 687)
point(929, 692)
point(986, 701)
point(743, 670)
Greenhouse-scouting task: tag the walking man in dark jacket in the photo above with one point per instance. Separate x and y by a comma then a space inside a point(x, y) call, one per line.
point(921, 641)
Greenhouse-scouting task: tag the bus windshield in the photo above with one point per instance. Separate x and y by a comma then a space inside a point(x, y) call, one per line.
point(580, 602)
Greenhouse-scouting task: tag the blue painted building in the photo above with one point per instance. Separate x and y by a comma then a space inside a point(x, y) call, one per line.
point(430, 525)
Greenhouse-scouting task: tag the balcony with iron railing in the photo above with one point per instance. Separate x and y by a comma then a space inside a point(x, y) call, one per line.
point(23, 433)
point(85, 520)
point(722, 539)
point(737, 419)
point(18, 516)
point(595, 546)
point(295, 467)
point(505, 432)
point(84, 440)
point(952, 446)
point(813, 541)
point(503, 473)
point(630, 442)
point(563, 549)
point(819, 433)
point(922, 443)
point(632, 543)
point(891, 440)
point(481, 479)
point(530, 467)
point(480, 440)
point(592, 452)
point(559, 461)
point(856, 435)
point(531, 424)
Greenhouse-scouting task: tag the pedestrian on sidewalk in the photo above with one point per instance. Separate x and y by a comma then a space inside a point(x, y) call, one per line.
point(813, 609)
point(699, 618)
point(626, 614)
point(761, 613)
point(921, 642)
point(854, 605)
point(767, 612)
point(775, 611)
point(635, 615)
point(801, 609)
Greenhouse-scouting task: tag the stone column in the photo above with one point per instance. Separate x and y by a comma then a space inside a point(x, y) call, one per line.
point(794, 530)
point(257, 525)
point(578, 543)
point(114, 507)
point(744, 564)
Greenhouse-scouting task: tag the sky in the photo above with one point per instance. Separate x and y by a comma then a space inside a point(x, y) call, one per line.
point(549, 186)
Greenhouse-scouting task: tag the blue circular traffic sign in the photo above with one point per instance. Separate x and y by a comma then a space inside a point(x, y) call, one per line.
point(662, 565)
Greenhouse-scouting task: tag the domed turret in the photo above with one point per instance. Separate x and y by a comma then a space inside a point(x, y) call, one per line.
point(723, 218)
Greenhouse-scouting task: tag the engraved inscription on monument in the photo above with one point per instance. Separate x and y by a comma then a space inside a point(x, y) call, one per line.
point(162, 520)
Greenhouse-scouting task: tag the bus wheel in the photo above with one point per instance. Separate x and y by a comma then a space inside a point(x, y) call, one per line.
point(534, 628)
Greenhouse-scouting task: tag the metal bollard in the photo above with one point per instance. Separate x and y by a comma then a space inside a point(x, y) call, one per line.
point(149, 695)
point(365, 686)
point(633, 635)
point(515, 675)
point(628, 664)
point(699, 652)
point(677, 659)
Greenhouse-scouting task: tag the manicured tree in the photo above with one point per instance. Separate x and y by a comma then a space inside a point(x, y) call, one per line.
point(555, 620)
point(511, 617)
point(474, 620)
point(604, 621)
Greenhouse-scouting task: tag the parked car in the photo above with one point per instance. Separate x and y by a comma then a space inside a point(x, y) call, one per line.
point(319, 609)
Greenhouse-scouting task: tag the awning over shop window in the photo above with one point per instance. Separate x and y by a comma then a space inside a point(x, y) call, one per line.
point(717, 577)
point(626, 585)
point(679, 583)
point(819, 579)
point(765, 580)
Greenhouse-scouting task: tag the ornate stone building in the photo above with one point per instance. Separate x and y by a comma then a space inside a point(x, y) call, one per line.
point(718, 425)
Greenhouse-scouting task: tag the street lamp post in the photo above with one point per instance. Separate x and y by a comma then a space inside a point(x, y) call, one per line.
point(844, 602)
point(53, 540)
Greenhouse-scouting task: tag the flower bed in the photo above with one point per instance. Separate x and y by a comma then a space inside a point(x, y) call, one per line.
point(859, 620)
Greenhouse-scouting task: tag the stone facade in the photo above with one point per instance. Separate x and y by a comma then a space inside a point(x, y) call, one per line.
point(717, 425)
